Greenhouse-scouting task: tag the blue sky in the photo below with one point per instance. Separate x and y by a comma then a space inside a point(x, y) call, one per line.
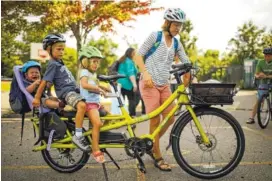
point(215, 21)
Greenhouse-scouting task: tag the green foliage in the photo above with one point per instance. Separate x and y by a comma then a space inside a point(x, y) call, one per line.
point(107, 47)
point(80, 17)
point(188, 42)
point(249, 42)
point(14, 24)
point(70, 60)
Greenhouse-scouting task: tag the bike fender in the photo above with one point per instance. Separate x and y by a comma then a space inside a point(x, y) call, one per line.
point(181, 118)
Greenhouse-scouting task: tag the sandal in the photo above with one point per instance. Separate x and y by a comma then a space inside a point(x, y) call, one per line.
point(99, 156)
point(250, 121)
point(162, 165)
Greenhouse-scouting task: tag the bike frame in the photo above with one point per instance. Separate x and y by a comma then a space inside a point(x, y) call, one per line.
point(126, 120)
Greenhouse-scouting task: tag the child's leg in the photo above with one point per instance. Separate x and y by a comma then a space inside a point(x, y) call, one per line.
point(51, 103)
point(93, 115)
point(78, 139)
point(76, 100)
point(81, 109)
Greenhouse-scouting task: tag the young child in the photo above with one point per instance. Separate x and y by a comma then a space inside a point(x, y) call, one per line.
point(90, 89)
point(64, 83)
point(32, 74)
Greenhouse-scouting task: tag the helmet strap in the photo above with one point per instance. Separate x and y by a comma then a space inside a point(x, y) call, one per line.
point(51, 51)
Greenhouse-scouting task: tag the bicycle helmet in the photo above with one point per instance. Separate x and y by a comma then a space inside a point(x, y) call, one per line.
point(30, 64)
point(89, 52)
point(175, 14)
point(51, 39)
point(267, 51)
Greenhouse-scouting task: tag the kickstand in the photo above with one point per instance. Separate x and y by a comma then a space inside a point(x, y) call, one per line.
point(115, 163)
point(105, 171)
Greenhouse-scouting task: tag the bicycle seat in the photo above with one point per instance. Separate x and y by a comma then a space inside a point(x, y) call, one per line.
point(110, 77)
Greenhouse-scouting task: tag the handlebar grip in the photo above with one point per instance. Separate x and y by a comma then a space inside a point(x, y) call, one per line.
point(181, 65)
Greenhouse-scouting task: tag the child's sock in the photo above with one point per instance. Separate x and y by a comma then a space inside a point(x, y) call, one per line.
point(78, 132)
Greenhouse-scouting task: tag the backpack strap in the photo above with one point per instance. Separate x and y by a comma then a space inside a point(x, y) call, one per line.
point(176, 44)
point(157, 43)
point(155, 46)
point(22, 128)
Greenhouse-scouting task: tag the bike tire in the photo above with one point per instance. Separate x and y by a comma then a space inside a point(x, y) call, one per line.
point(263, 124)
point(83, 159)
point(180, 155)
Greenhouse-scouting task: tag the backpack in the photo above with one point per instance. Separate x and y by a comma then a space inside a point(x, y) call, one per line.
point(17, 99)
point(113, 69)
point(156, 45)
point(51, 127)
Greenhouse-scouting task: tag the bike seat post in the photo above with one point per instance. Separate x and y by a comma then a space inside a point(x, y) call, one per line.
point(114, 85)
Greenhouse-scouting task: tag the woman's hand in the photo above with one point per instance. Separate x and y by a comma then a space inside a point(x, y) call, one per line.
point(147, 80)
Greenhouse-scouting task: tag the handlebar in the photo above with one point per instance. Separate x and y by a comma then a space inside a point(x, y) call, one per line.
point(183, 67)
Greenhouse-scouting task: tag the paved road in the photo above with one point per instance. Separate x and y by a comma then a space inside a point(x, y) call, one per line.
point(20, 163)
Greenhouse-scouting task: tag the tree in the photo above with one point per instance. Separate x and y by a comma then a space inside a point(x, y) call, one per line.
point(249, 42)
point(107, 47)
point(13, 25)
point(188, 42)
point(267, 39)
point(81, 17)
point(70, 60)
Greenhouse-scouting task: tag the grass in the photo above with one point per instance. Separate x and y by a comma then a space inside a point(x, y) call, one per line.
point(5, 86)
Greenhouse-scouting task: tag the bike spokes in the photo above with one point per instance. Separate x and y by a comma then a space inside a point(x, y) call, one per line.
point(209, 158)
point(264, 112)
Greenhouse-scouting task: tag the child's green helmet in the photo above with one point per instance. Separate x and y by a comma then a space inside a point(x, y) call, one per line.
point(89, 52)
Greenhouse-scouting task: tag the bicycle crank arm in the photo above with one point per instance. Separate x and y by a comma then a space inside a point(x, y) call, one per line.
point(140, 164)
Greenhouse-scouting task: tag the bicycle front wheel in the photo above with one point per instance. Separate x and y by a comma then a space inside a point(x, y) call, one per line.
point(263, 111)
point(213, 161)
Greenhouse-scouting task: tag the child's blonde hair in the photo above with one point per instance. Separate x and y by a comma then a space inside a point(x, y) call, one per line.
point(85, 62)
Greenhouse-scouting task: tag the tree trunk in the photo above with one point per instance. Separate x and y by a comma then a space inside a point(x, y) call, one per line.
point(76, 31)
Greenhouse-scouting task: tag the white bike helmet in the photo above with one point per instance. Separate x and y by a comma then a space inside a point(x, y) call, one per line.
point(175, 14)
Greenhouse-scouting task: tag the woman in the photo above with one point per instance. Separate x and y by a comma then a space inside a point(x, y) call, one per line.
point(128, 84)
point(154, 84)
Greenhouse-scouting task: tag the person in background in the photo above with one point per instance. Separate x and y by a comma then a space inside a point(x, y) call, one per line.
point(264, 74)
point(128, 85)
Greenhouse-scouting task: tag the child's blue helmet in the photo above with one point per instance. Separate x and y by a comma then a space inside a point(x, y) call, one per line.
point(30, 64)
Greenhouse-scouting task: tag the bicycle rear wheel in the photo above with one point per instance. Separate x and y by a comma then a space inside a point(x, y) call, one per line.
point(263, 111)
point(66, 160)
point(199, 160)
